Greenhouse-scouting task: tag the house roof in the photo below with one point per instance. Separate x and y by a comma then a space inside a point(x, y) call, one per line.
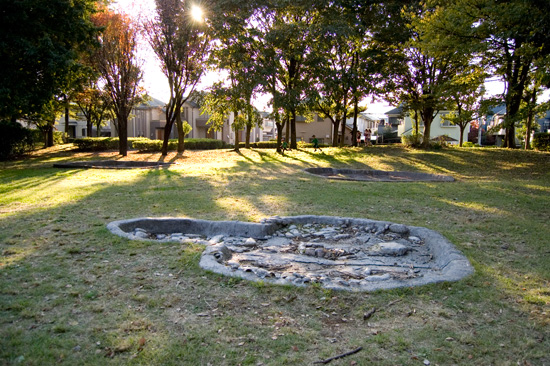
point(192, 103)
point(369, 116)
point(395, 111)
point(498, 110)
point(153, 103)
point(546, 116)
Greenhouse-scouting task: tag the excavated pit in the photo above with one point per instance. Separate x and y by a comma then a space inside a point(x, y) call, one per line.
point(334, 252)
point(377, 175)
point(112, 164)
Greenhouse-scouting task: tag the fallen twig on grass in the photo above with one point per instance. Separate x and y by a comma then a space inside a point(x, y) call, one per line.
point(393, 302)
point(339, 356)
point(369, 313)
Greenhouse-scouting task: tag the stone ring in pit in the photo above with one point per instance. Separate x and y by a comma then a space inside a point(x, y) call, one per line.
point(334, 252)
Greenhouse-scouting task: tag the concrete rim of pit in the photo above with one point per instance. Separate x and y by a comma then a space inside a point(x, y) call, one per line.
point(112, 164)
point(452, 265)
point(377, 175)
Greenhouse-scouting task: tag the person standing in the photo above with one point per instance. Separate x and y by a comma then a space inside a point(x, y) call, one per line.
point(368, 133)
point(315, 144)
point(284, 146)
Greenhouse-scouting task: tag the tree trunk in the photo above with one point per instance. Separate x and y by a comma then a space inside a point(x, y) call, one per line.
point(89, 125)
point(167, 130)
point(528, 132)
point(293, 144)
point(287, 133)
point(247, 137)
point(279, 135)
point(427, 117)
point(66, 134)
point(236, 139)
point(123, 136)
point(461, 139)
point(354, 130)
point(335, 129)
point(344, 115)
point(181, 136)
point(49, 134)
point(343, 124)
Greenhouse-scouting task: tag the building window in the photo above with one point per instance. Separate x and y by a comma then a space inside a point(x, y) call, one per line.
point(83, 132)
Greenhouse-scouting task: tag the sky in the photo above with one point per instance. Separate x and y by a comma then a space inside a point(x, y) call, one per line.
point(156, 83)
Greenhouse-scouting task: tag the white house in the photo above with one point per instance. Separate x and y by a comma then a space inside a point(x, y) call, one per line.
point(439, 128)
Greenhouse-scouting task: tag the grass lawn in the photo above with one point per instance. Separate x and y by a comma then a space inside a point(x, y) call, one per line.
point(71, 293)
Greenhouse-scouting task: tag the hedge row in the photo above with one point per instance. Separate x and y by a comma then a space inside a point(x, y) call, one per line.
point(273, 144)
point(143, 144)
point(146, 145)
point(14, 140)
point(541, 141)
point(260, 145)
point(103, 143)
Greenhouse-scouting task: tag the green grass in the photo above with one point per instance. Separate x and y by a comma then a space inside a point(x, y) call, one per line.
point(71, 293)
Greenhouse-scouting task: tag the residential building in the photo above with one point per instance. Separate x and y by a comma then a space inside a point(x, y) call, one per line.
point(404, 124)
point(544, 122)
point(78, 127)
point(320, 127)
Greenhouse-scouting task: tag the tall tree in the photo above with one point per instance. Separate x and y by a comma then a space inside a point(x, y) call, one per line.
point(94, 103)
point(237, 53)
point(511, 38)
point(420, 81)
point(466, 93)
point(116, 61)
point(181, 45)
point(342, 70)
point(39, 43)
point(285, 28)
point(219, 103)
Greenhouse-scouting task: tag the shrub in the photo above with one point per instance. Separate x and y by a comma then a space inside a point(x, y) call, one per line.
point(14, 140)
point(469, 144)
point(103, 143)
point(261, 144)
point(413, 140)
point(204, 144)
point(146, 145)
point(38, 137)
point(541, 141)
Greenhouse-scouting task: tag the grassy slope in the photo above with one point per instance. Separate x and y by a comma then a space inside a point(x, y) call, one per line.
point(72, 293)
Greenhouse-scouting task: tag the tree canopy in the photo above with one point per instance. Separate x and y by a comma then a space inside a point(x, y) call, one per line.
point(40, 43)
point(117, 63)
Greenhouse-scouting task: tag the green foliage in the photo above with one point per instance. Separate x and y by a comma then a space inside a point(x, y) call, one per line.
point(261, 144)
point(38, 137)
point(103, 143)
point(388, 135)
point(412, 140)
point(116, 60)
point(541, 141)
point(488, 28)
point(469, 144)
point(181, 45)
point(186, 128)
point(40, 42)
point(146, 145)
point(14, 139)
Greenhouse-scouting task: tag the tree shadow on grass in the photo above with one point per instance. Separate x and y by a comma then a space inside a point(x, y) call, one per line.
point(75, 284)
